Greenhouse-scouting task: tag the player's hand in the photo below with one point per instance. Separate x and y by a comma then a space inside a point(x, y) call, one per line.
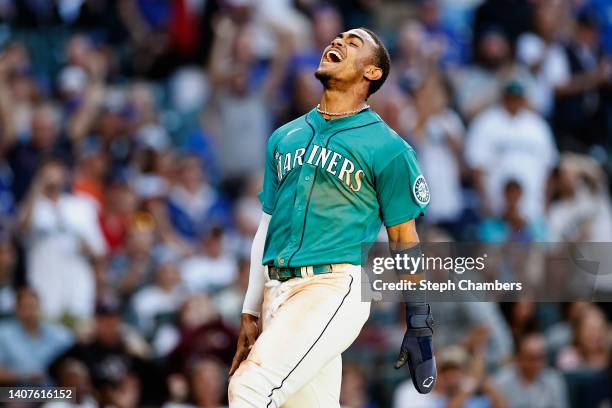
point(417, 348)
point(249, 330)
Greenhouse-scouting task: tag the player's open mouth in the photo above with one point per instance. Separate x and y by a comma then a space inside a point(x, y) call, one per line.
point(334, 56)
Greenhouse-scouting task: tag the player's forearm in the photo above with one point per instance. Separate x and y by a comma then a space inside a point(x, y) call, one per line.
point(404, 240)
point(254, 293)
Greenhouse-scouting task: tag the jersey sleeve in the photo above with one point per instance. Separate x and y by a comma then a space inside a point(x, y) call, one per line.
point(402, 191)
point(270, 183)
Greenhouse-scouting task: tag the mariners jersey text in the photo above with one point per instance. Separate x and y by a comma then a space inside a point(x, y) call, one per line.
point(326, 159)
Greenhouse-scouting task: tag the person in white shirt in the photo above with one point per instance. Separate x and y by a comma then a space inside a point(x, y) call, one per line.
point(163, 298)
point(581, 210)
point(62, 235)
point(581, 214)
point(511, 142)
point(541, 51)
point(213, 267)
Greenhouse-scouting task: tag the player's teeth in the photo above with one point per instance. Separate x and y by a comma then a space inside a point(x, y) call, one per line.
point(337, 56)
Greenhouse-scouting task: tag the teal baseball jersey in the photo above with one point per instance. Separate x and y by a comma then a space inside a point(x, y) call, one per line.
point(329, 186)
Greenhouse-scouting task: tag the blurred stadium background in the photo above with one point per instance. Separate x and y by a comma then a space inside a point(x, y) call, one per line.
point(132, 138)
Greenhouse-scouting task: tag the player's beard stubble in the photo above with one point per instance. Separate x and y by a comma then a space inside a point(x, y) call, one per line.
point(323, 77)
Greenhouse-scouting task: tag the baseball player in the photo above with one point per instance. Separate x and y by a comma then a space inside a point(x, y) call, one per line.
point(332, 177)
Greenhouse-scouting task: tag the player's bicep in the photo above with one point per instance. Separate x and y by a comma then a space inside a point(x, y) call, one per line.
point(267, 196)
point(402, 191)
point(404, 233)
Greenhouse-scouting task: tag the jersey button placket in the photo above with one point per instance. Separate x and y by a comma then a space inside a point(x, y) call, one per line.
point(298, 221)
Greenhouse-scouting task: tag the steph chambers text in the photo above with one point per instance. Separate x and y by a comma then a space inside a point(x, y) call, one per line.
point(447, 286)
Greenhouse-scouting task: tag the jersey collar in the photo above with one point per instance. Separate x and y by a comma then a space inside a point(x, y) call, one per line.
point(365, 117)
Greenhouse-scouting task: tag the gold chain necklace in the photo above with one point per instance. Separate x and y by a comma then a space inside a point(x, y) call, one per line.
point(322, 112)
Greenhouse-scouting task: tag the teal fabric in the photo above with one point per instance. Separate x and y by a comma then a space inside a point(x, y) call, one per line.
point(329, 185)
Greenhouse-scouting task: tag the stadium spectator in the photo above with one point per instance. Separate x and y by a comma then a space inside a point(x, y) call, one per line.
point(479, 86)
point(247, 211)
point(28, 344)
point(204, 388)
point(158, 302)
point(512, 225)
point(117, 366)
point(353, 392)
point(118, 211)
point(478, 326)
point(81, 86)
point(512, 16)
point(18, 94)
point(42, 143)
point(201, 332)
point(571, 74)
point(123, 392)
point(229, 300)
point(506, 142)
point(192, 202)
point(524, 382)
point(591, 346)
point(212, 267)
point(462, 382)
point(580, 210)
point(413, 59)
point(450, 46)
point(208, 384)
point(132, 268)
point(74, 374)
point(559, 335)
point(244, 89)
point(89, 175)
point(438, 136)
point(581, 103)
point(521, 319)
point(62, 234)
point(8, 261)
point(541, 50)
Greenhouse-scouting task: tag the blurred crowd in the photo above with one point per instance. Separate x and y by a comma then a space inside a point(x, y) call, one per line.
point(132, 138)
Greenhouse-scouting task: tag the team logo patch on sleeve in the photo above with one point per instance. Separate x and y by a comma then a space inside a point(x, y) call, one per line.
point(420, 190)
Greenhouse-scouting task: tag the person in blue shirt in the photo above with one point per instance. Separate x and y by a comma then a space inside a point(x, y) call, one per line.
point(28, 344)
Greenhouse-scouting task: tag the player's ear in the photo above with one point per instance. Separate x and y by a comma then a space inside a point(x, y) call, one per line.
point(373, 73)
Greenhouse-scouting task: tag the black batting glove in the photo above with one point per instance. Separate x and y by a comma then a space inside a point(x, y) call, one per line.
point(417, 347)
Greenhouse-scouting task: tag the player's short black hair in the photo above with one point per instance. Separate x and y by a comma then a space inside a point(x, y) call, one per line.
point(381, 59)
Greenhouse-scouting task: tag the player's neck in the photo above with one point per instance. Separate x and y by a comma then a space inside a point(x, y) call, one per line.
point(340, 101)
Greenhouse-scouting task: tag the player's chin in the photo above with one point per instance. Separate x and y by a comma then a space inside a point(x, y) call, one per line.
point(325, 71)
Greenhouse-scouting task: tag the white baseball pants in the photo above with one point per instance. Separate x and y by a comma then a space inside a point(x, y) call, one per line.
point(307, 323)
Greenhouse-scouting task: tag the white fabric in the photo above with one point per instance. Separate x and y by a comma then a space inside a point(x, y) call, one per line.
point(152, 301)
point(549, 59)
point(406, 396)
point(550, 67)
point(254, 293)
point(507, 147)
point(307, 323)
point(201, 273)
point(57, 267)
point(586, 217)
